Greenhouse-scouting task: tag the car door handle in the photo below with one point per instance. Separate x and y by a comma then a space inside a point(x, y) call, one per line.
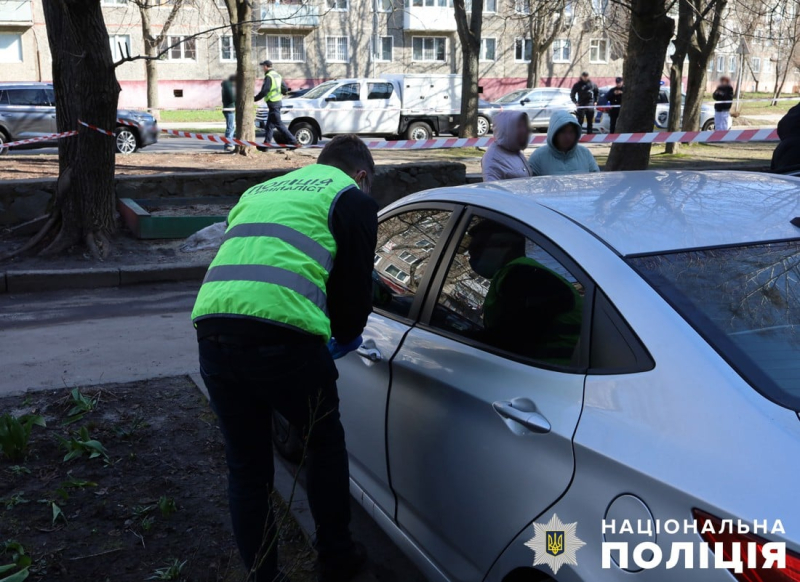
point(370, 352)
point(533, 421)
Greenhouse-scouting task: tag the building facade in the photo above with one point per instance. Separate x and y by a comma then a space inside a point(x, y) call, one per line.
point(314, 40)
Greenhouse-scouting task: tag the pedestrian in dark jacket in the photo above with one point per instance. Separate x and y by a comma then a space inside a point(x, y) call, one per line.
point(584, 93)
point(228, 108)
point(786, 157)
point(615, 101)
point(722, 111)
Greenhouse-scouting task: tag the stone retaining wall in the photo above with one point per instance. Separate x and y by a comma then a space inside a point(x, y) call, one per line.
point(22, 200)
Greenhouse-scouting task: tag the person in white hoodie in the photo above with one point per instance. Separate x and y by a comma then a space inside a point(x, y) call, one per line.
point(504, 159)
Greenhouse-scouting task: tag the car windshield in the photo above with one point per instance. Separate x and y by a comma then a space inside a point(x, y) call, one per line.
point(319, 90)
point(513, 96)
point(746, 302)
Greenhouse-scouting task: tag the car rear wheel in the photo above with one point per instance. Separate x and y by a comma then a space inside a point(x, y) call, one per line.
point(3, 151)
point(126, 141)
point(287, 439)
point(419, 130)
point(483, 126)
point(305, 134)
point(709, 125)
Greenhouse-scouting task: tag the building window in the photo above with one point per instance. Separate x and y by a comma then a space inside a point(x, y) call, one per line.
point(226, 52)
point(522, 6)
point(10, 47)
point(710, 67)
point(732, 63)
point(488, 5)
point(429, 48)
point(286, 49)
point(114, 2)
point(385, 5)
point(385, 52)
point(429, 3)
point(340, 5)
point(523, 48)
point(600, 7)
point(488, 49)
point(562, 50)
point(336, 49)
point(720, 64)
point(179, 48)
point(756, 65)
point(120, 46)
point(395, 272)
point(598, 50)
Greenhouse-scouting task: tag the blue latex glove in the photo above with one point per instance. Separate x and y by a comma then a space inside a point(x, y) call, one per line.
point(338, 350)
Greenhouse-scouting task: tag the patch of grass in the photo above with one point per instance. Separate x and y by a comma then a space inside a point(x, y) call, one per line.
point(167, 506)
point(15, 434)
point(170, 572)
point(192, 116)
point(14, 562)
point(14, 500)
point(81, 406)
point(127, 432)
point(82, 444)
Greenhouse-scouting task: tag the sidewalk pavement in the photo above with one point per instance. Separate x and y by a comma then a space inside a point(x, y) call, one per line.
point(179, 125)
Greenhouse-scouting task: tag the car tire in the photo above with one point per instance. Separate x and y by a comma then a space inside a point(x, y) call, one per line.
point(305, 134)
point(125, 140)
point(709, 125)
point(419, 130)
point(483, 126)
point(3, 139)
point(286, 438)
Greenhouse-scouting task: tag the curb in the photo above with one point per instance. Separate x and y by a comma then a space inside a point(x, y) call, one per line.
point(53, 280)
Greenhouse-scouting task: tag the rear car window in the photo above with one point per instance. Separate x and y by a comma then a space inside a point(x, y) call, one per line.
point(27, 97)
point(746, 302)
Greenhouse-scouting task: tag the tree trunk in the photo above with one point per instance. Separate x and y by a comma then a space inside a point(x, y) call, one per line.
point(469, 33)
point(675, 100)
point(649, 35)
point(533, 69)
point(242, 11)
point(151, 70)
point(695, 89)
point(86, 89)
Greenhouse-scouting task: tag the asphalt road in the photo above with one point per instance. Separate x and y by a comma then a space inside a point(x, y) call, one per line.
point(84, 337)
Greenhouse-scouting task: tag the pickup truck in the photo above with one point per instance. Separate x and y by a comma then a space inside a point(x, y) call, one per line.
point(411, 106)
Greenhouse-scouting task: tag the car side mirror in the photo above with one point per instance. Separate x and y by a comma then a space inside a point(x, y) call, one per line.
point(524, 101)
point(330, 98)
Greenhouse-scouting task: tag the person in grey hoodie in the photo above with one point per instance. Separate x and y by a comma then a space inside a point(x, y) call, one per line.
point(504, 159)
point(562, 154)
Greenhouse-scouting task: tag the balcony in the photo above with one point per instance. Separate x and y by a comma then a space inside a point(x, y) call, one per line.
point(16, 13)
point(429, 16)
point(296, 16)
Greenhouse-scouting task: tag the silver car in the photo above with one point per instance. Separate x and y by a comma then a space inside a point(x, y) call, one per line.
point(602, 123)
point(587, 349)
point(28, 110)
point(539, 104)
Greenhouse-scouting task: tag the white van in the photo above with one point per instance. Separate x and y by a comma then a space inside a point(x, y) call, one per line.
point(411, 106)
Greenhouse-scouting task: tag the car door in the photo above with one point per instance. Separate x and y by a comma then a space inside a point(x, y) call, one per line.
point(381, 109)
point(29, 112)
point(51, 125)
point(486, 394)
point(343, 109)
point(536, 108)
point(407, 247)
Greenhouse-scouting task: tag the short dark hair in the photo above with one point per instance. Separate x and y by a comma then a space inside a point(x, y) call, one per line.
point(348, 153)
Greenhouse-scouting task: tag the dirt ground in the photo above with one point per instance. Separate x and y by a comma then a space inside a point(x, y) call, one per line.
point(159, 500)
point(189, 210)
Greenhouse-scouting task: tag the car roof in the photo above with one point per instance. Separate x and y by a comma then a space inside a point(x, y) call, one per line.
point(649, 212)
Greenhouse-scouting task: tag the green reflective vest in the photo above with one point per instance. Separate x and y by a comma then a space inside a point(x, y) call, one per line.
point(277, 253)
point(275, 93)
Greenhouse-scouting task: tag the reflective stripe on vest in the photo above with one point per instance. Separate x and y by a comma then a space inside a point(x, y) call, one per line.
point(278, 252)
point(275, 90)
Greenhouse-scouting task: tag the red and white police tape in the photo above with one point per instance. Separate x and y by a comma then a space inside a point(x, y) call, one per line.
point(728, 136)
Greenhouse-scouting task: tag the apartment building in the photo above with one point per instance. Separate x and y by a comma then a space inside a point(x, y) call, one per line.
point(313, 40)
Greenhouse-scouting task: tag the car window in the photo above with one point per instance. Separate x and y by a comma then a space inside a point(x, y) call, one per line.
point(51, 97)
point(379, 90)
point(663, 96)
point(402, 256)
point(506, 292)
point(27, 97)
point(746, 302)
point(3, 97)
point(347, 92)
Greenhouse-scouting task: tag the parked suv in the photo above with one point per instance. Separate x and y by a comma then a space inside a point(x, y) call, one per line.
point(27, 110)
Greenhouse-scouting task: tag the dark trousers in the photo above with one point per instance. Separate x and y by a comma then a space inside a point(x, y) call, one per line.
point(274, 123)
point(245, 383)
point(586, 114)
point(613, 115)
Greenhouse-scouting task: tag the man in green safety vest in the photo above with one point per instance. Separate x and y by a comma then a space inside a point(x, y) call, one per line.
point(290, 290)
point(272, 91)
